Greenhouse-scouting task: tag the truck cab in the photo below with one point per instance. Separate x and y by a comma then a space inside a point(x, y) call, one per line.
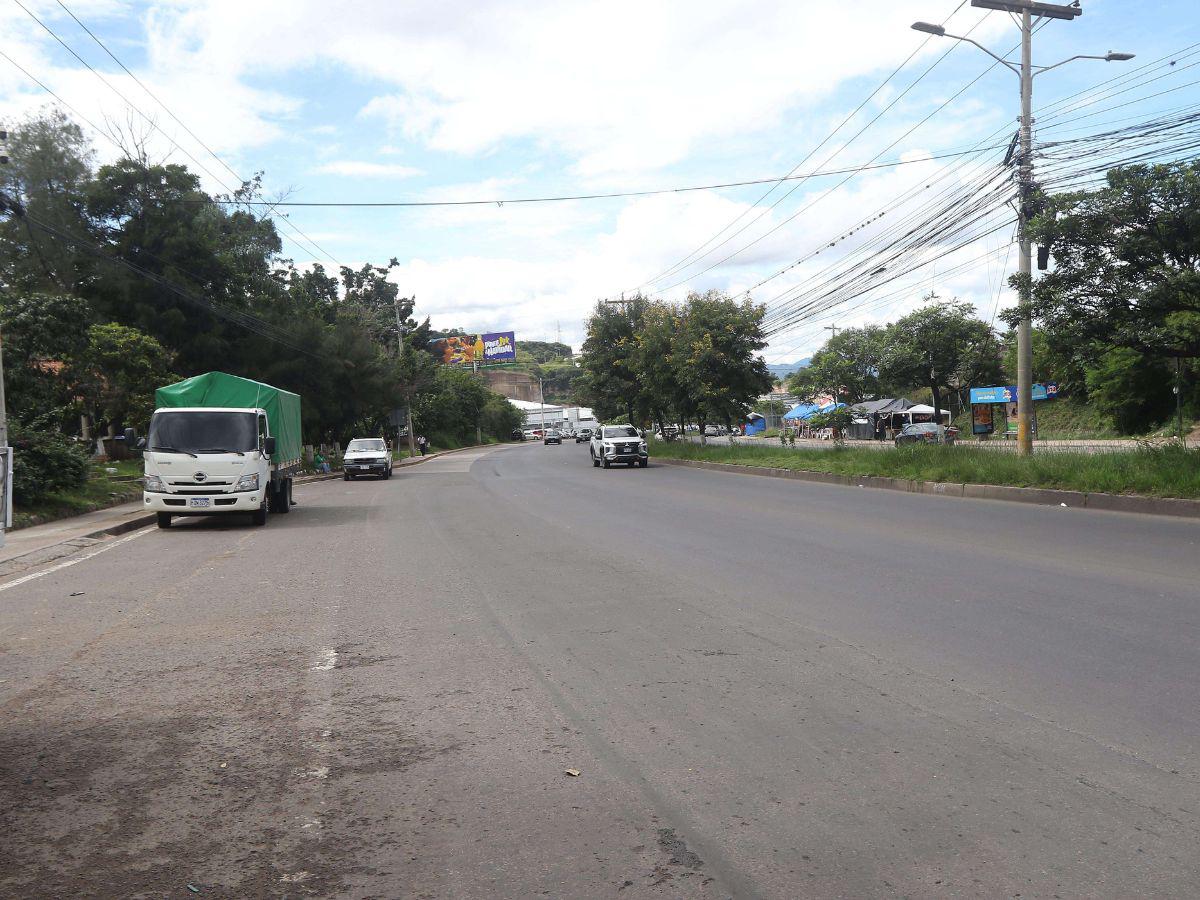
point(212, 461)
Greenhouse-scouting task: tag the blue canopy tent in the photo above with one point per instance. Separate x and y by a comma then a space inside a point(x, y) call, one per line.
point(801, 411)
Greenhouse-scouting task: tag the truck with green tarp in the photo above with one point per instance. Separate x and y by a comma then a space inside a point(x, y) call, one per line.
point(218, 445)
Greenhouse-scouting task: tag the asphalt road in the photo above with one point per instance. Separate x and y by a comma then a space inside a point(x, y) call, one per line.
point(770, 689)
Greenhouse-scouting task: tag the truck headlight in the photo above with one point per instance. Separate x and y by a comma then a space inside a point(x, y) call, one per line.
point(153, 483)
point(247, 483)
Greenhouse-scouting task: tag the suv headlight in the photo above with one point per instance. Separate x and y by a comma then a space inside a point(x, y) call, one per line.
point(642, 446)
point(153, 483)
point(247, 483)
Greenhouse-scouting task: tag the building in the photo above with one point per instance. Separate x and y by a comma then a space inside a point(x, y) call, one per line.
point(551, 415)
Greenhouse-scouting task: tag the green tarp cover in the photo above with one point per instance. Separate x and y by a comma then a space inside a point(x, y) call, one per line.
point(219, 389)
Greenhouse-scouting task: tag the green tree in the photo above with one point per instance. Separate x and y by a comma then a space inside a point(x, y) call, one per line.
point(716, 357)
point(117, 373)
point(848, 366)
point(49, 168)
point(1127, 386)
point(43, 333)
point(610, 380)
point(941, 346)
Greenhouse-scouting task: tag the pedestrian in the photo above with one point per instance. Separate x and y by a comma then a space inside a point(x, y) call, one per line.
point(320, 463)
point(422, 444)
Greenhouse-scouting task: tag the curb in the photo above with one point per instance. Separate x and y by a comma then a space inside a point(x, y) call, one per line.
point(1127, 503)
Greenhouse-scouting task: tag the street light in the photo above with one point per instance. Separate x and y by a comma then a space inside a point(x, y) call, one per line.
point(1027, 9)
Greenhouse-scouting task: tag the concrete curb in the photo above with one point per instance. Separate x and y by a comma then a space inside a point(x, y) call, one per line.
point(1129, 503)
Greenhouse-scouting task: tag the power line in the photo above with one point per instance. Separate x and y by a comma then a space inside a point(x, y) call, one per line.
point(513, 201)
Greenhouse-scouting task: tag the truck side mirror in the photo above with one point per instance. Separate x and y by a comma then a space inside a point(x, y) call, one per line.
point(269, 446)
point(130, 437)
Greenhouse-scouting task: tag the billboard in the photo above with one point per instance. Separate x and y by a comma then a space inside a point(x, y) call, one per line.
point(499, 347)
point(1008, 393)
point(485, 349)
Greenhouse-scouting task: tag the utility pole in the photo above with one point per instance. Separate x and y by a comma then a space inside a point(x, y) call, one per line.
point(6, 462)
point(834, 329)
point(1027, 10)
point(412, 443)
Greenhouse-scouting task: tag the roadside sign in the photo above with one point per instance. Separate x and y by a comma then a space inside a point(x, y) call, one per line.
point(1008, 393)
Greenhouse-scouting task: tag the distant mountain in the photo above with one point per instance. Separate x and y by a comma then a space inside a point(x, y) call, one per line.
point(783, 370)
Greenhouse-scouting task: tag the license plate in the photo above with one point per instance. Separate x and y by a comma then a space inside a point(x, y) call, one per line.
point(199, 502)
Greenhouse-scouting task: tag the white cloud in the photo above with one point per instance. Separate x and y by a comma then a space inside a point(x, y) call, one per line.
point(354, 168)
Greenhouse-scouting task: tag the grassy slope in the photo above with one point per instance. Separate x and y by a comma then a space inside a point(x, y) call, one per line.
point(1167, 472)
point(99, 492)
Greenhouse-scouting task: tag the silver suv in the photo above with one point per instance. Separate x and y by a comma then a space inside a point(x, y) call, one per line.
point(619, 443)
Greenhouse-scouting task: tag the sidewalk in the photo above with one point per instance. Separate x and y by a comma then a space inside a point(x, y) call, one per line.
point(40, 544)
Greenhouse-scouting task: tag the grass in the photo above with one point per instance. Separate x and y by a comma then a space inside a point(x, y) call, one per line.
point(1170, 471)
point(102, 490)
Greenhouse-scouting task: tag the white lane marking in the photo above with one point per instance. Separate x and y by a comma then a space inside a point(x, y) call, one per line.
point(70, 562)
point(295, 877)
point(328, 660)
point(318, 772)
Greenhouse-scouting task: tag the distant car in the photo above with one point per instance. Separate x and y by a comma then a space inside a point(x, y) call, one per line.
point(517, 434)
point(552, 437)
point(366, 456)
point(712, 431)
point(619, 443)
point(529, 435)
point(926, 433)
point(583, 434)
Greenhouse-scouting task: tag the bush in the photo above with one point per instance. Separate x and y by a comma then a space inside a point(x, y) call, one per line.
point(44, 462)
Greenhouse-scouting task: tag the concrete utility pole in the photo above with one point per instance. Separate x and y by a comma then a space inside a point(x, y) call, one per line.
point(5, 450)
point(1030, 12)
point(412, 443)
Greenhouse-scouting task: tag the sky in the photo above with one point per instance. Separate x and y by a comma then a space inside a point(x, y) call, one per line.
point(450, 101)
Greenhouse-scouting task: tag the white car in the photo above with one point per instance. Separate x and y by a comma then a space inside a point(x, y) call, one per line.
point(366, 456)
point(619, 443)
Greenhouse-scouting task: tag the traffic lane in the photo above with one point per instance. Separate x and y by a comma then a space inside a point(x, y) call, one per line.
point(783, 752)
point(313, 708)
point(1085, 618)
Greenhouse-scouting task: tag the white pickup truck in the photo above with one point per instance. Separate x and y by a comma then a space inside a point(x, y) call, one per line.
point(619, 443)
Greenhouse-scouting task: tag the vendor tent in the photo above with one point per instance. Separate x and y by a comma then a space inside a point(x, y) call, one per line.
point(801, 411)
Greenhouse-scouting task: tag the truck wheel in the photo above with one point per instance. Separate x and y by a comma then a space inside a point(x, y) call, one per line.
point(595, 462)
point(284, 497)
point(259, 516)
point(642, 463)
point(606, 463)
point(164, 520)
point(345, 476)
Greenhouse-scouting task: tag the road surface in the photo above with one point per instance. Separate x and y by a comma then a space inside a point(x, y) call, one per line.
point(769, 689)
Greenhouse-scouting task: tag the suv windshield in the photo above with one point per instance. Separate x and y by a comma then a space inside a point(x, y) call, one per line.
point(619, 431)
point(360, 446)
point(203, 432)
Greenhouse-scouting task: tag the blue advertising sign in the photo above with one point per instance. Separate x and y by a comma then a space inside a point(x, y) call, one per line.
point(500, 347)
point(1008, 393)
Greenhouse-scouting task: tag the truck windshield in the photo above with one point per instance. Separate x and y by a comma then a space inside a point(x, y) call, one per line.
point(620, 431)
point(203, 432)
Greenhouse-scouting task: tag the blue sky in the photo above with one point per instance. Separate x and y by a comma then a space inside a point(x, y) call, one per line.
point(376, 101)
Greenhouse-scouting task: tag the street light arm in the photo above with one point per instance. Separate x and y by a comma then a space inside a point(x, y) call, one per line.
point(1012, 67)
point(1110, 57)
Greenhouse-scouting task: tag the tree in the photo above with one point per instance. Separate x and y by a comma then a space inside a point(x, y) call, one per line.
point(47, 174)
point(43, 333)
point(941, 346)
point(117, 373)
point(1126, 262)
point(716, 358)
point(610, 383)
point(848, 367)
point(1126, 275)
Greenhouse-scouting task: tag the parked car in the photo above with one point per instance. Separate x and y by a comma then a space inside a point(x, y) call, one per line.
point(366, 456)
point(529, 435)
point(926, 433)
point(552, 437)
point(619, 443)
point(712, 431)
point(517, 434)
point(583, 434)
